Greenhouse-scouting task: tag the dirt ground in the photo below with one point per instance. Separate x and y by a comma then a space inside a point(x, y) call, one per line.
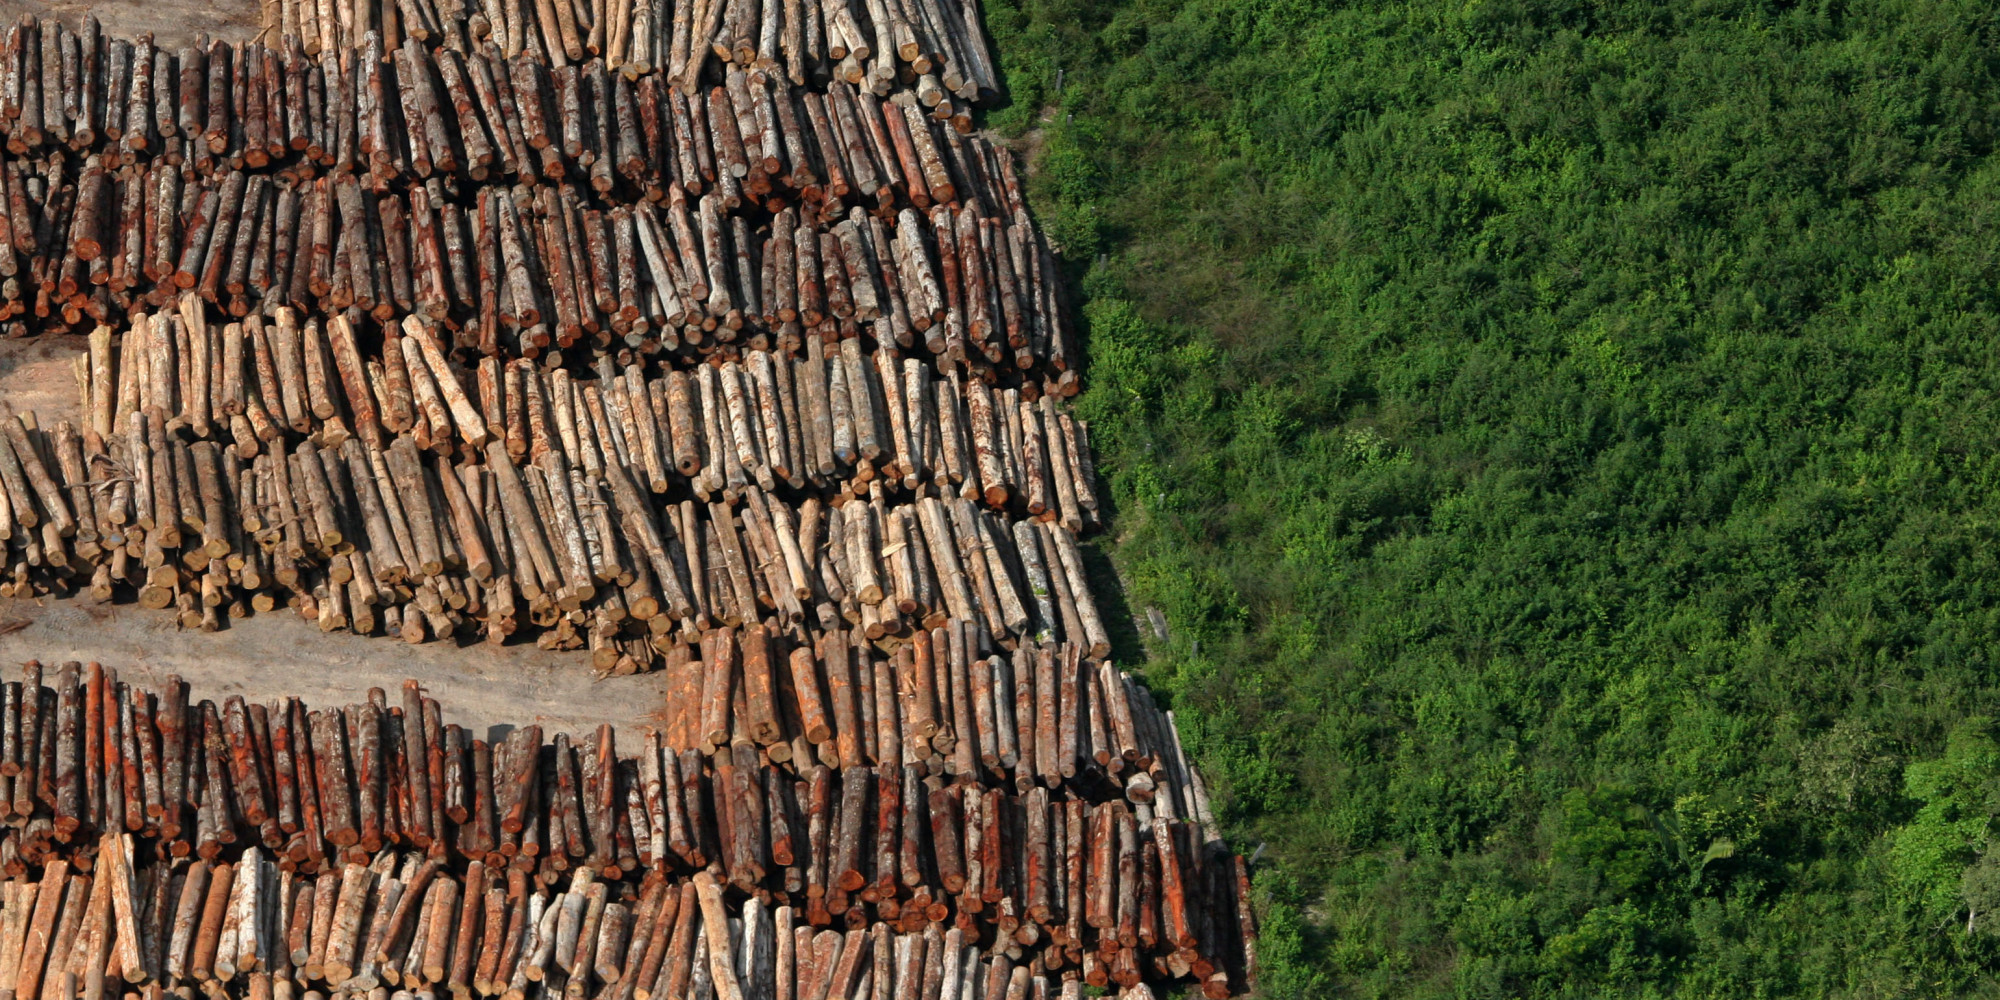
point(38, 374)
point(172, 22)
point(267, 656)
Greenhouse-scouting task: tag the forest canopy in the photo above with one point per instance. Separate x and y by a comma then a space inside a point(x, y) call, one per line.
point(1562, 440)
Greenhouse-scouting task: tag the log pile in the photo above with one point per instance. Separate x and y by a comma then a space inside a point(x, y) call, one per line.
point(514, 268)
point(266, 849)
point(472, 113)
point(825, 332)
point(519, 203)
point(833, 419)
point(931, 45)
point(706, 337)
point(626, 515)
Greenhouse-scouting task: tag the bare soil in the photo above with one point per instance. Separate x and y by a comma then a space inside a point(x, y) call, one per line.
point(268, 656)
point(38, 374)
point(172, 22)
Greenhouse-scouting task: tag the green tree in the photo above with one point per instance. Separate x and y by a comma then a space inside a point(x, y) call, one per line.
point(1847, 769)
point(1560, 436)
point(1933, 855)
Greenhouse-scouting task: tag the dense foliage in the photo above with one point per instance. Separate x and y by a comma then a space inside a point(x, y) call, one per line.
point(1563, 438)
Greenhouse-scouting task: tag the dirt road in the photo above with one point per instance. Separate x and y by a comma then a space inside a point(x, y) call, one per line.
point(267, 656)
point(172, 22)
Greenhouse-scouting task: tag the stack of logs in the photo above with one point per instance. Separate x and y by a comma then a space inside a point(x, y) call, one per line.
point(258, 106)
point(620, 513)
point(648, 278)
point(834, 419)
point(934, 45)
point(643, 215)
point(852, 321)
point(265, 849)
point(429, 317)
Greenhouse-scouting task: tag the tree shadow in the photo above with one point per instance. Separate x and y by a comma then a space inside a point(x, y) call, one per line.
point(1127, 645)
point(1004, 98)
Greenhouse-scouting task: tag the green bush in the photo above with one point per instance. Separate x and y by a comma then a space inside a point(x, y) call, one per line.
point(1561, 437)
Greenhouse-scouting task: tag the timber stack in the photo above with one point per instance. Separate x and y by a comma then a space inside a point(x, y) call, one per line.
point(831, 420)
point(228, 469)
point(527, 205)
point(153, 844)
point(707, 337)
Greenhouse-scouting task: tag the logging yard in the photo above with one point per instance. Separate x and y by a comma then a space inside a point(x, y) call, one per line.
point(560, 498)
point(499, 686)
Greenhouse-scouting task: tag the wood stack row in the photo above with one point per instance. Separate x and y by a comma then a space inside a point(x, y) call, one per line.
point(347, 538)
point(1036, 715)
point(81, 87)
point(322, 849)
point(836, 421)
point(932, 45)
point(699, 217)
point(525, 270)
point(381, 542)
point(527, 496)
point(400, 113)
